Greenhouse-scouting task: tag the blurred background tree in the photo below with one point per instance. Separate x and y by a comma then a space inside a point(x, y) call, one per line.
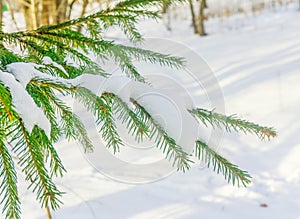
point(46, 12)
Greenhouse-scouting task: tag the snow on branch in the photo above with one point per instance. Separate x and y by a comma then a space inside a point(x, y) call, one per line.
point(24, 105)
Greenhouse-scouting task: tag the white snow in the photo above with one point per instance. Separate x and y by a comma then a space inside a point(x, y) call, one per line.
point(23, 72)
point(31, 114)
point(257, 62)
point(126, 89)
point(48, 61)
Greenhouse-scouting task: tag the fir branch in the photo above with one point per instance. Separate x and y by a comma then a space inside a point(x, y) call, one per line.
point(153, 57)
point(75, 129)
point(163, 141)
point(32, 160)
point(139, 13)
point(130, 30)
point(77, 56)
point(6, 104)
point(102, 47)
point(56, 166)
point(101, 109)
point(61, 42)
point(133, 123)
point(107, 17)
point(14, 38)
point(130, 70)
point(108, 127)
point(136, 4)
point(230, 171)
point(99, 106)
point(7, 57)
point(40, 95)
point(8, 186)
point(65, 40)
point(70, 123)
point(91, 101)
point(232, 123)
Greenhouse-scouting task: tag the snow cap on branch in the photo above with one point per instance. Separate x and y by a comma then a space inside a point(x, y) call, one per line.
point(24, 105)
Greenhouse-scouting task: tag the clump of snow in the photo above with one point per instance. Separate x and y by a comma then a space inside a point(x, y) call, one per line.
point(23, 72)
point(153, 99)
point(165, 106)
point(24, 104)
point(48, 61)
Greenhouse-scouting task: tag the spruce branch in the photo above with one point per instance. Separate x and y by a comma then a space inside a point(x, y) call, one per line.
point(99, 106)
point(7, 114)
point(76, 55)
point(230, 171)
point(56, 166)
point(108, 127)
point(8, 185)
point(40, 95)
point(101, 109)
point(136, 4)
point(127, 116)
point(163, 141)
point(74, 128)
point(153, 57)
point(232, 123)
point(70, 124)
point(59, 41)
point(32, 162)
point(7, 57)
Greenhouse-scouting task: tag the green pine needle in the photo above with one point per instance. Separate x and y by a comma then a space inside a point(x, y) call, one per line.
point(232, 123)
point(230, 171)
point(8, 185)
point(134, 124)
point(173, 152)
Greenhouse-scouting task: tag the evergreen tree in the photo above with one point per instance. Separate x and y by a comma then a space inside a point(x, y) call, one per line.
point(31, 80)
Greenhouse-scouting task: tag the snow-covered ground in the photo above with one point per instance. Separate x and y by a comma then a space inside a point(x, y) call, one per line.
point(257, 63)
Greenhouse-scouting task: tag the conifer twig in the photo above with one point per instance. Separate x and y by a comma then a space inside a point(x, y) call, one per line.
point(231, 172)
point(167, 144)
point(232, 123)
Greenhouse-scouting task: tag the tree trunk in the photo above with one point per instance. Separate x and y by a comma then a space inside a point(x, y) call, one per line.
point(201, 29)
point(194, 22)
point(35, 13)
point(70, 9)
point(26, 8)
point(61, 6)
point(46, 12)
point(30, 12)
point(49, 12)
